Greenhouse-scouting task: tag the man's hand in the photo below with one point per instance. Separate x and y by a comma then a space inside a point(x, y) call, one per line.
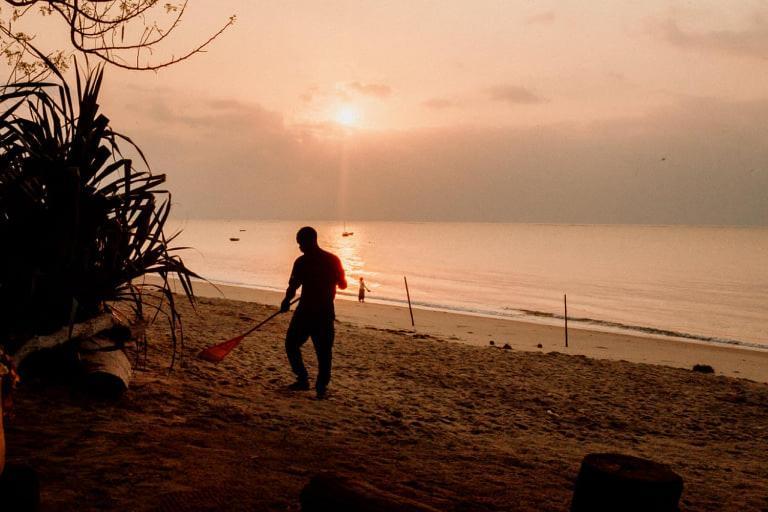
point(285, 306)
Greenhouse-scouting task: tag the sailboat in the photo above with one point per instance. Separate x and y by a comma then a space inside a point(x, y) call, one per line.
point(345, 232)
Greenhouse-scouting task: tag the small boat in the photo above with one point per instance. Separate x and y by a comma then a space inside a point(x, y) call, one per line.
point(345, 232)
point(233, 239)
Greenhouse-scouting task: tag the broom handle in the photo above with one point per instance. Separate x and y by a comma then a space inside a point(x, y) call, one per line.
point(273, 315)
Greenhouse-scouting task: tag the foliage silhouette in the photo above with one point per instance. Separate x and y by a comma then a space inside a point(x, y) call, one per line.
point(79, 223)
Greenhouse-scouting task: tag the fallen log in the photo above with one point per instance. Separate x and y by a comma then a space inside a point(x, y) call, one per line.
point(608, 482)
point(107, 371)
point(329, 491)
point(92, 353)
point(63, 335)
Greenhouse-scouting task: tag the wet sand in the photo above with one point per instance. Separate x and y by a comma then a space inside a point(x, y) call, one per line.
point(457, 426)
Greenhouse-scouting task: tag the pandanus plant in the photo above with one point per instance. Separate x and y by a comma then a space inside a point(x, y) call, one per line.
point(79, 224)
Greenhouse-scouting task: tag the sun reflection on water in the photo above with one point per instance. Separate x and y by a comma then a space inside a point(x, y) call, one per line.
point(347, 248)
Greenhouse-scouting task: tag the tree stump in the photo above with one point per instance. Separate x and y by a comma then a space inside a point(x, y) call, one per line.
point(328, 491)
point(611, 482)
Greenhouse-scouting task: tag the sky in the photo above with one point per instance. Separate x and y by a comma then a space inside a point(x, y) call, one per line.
point(652, 112)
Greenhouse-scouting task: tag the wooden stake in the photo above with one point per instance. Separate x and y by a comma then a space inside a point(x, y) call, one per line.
point(409, 300)
point(565, 304)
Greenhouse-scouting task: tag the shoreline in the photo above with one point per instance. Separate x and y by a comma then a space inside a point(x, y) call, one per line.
point(526, 316)
point(533, 317)
point(733, 361)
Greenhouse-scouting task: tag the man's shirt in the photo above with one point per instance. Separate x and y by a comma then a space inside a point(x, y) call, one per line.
point(317, 273)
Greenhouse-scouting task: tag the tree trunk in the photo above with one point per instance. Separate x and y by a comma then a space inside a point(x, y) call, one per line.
point(611, 482)
point(328, 491)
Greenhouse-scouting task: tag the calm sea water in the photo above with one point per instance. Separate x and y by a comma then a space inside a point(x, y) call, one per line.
point(703, 283)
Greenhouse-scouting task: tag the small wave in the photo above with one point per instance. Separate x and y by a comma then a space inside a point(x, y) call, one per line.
point(521, 314)
point(643, 329)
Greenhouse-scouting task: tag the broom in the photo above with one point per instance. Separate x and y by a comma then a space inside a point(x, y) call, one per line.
point(217, 353)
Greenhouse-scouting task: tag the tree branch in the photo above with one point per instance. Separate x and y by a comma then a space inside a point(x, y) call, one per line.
point(98, 28)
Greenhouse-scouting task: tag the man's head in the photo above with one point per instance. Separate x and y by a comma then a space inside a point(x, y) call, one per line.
point(306, 237)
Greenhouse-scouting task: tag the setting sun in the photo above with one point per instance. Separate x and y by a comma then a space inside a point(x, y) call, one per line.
point(347, 115)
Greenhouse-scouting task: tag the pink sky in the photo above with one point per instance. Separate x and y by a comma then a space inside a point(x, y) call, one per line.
point(549, 111)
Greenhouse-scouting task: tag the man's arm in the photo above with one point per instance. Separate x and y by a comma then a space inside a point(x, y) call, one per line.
point(342, 282)
point(293, 284)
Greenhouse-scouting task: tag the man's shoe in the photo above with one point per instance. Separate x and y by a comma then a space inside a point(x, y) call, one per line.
point(299, 385)
point(322, 394)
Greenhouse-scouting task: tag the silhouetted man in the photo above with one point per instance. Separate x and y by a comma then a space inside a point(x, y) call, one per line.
point(318, 273)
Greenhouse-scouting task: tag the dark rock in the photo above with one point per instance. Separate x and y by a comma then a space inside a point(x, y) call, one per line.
point(507, 346)
point(703, 368)
point(492, 343)
point(611, 482)
point(539, 346)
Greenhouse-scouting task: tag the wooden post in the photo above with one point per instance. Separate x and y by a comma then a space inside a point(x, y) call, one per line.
point(408, 294)
point(565, 304)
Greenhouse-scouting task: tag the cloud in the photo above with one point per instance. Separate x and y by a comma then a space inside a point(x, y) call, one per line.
point(343, 91)
point(341, 94)
point(701, 161)
point(206, 115)
point(376, 90)
point(504, 93)
point(513, 94)
point(690, 163)
point(440, 103)
point(541, 18)
point(750, 42)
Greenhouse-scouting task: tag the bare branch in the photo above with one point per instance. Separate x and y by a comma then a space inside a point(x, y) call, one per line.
point(123, 33)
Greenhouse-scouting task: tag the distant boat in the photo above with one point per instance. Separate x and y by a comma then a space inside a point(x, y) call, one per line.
point(233, 239)
point(345, 232)
point(242, 230)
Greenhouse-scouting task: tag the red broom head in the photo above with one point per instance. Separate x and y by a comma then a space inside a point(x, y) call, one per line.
point(217, 353)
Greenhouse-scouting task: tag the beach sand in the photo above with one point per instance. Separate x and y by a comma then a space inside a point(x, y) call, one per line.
point(461, 427)
point(480, 330)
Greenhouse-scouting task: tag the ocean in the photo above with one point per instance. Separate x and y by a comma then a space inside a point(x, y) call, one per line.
point(705, 284)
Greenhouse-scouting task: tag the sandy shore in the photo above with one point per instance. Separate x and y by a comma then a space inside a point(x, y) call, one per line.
point(478, 330)
point(460, 427)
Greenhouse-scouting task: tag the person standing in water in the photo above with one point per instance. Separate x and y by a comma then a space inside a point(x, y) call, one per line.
point(361, 291)
point(318, 273)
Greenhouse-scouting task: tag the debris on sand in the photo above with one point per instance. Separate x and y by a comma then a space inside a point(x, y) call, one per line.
point(703, 368)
